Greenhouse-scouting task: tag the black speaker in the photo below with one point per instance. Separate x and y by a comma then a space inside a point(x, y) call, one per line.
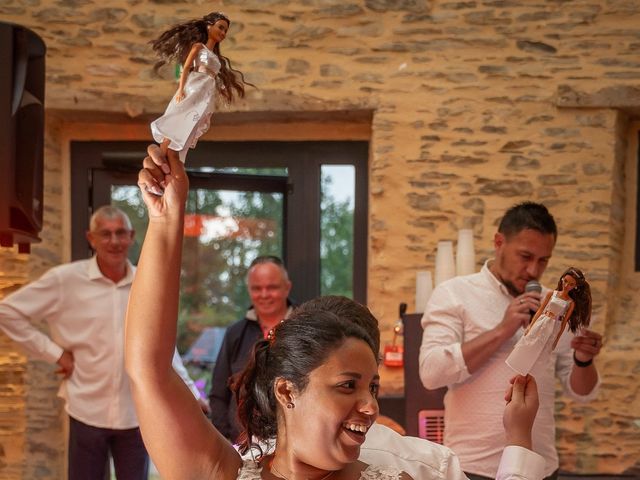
point(22, 79)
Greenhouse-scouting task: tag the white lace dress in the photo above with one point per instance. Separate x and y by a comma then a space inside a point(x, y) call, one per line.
point(251, 470)
point(539, 340)
point(185, 121)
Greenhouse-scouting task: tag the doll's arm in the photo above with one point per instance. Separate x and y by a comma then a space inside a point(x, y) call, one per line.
point(565, 320)
point(186, 69)
point(539, 312)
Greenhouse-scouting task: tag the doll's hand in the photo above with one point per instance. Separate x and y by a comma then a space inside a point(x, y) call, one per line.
point(180, 95)
point(520, 412)
point(163, 182)
point(587, 345)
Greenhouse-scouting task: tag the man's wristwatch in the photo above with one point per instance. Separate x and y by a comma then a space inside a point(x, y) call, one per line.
point(580, 363)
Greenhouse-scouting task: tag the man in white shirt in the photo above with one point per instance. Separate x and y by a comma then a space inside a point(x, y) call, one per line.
point(471, 324)
point(84, 304)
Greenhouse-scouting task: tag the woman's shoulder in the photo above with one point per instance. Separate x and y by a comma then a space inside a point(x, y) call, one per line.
point(383, 472)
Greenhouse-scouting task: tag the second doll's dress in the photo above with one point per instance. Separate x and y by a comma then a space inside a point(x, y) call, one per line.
point(185, 121)
point(539, 340)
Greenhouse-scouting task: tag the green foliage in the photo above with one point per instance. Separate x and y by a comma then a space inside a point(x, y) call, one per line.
point(336, 245)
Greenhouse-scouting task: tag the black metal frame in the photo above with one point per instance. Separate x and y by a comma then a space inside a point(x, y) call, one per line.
point(118, 162)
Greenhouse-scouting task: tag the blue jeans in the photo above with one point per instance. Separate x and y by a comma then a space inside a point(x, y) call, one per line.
point(89, 449)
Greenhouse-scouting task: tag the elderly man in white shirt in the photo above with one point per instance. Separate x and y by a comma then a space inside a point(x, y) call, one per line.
point(471, 324)
point(84, 303)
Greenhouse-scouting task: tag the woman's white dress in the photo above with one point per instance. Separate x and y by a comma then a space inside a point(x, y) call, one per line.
point(185, 121)
point(250, 470)
point(539, 340)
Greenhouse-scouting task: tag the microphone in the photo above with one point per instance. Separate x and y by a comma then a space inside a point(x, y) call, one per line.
point(533, 286)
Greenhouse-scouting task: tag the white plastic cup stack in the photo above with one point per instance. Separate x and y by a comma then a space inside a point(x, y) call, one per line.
point(424, 287)
point(445, 264)
point(465, 253)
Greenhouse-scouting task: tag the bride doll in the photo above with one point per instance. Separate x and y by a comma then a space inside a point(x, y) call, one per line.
point(205, 73)
point(569, 304)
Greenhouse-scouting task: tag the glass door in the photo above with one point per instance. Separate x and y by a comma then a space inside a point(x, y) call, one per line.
point(230, 220)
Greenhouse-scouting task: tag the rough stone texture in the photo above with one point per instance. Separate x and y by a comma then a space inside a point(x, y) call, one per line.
point(476, 106)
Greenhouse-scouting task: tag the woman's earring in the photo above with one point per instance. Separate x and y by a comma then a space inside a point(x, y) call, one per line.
point(290, 405)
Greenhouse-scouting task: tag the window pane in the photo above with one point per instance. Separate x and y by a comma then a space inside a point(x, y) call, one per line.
point(336, 229)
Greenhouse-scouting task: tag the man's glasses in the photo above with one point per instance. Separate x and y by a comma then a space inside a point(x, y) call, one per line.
point(106, 235)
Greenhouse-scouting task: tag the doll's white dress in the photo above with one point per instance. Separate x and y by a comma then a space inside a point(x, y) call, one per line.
point(185, 121)
point(250, 470)
point(539, 340)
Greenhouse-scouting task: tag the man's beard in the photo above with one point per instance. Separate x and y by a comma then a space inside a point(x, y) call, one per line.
point(511, 288)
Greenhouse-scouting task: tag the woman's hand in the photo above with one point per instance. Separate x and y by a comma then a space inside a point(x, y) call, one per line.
point(520, 412)
point(163, 182)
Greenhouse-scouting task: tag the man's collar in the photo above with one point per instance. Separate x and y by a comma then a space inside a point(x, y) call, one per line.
point(94, 273)
point(493, 280)
point(252, 315)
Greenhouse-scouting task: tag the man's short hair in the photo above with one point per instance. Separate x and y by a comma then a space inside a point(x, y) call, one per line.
point(108, 212)
point(347, 309)
point(262, 259)
point(527, 215)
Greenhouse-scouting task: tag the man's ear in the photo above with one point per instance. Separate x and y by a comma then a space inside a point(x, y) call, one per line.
point(89, 236)
point(285, 392)
point(499, 240)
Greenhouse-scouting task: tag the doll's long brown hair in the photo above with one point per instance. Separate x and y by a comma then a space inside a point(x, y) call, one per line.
point(581, 296)
point(175, 45)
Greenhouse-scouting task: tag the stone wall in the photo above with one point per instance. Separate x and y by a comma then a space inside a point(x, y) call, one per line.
point(476, 105)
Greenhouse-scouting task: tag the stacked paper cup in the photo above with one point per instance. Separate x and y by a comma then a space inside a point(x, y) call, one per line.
point(424, 287)
point(465, 254)
point(445, 264)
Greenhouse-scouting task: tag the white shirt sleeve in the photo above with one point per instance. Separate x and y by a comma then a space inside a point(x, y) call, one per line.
point(520, 463)
point(441, 362)
point(180, 369)
point(35, 301)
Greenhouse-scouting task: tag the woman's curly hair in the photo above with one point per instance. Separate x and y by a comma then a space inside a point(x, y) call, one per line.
point(175, 44)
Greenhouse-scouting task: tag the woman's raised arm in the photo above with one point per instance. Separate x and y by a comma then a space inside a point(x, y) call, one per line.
point(181, 441)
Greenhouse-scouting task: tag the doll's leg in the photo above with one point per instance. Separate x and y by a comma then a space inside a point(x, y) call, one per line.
point(562, 327)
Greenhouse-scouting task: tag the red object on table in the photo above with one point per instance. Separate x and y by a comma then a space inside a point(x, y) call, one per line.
point(393, 356)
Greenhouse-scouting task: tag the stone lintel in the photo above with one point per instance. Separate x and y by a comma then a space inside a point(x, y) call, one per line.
point(621, 97)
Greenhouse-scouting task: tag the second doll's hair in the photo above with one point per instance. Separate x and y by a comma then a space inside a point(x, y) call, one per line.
point(176, 43)
point(294, 349)
point(581, 296)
